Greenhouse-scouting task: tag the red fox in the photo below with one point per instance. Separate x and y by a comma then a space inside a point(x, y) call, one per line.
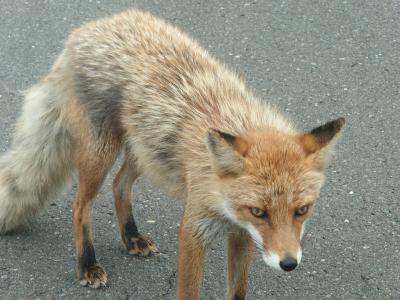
point(132, 83)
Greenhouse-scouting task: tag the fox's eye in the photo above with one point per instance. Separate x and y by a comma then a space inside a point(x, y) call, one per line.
point(302, 210)
point(258, 213)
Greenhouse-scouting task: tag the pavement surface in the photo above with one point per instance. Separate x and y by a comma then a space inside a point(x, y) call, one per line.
point(316, 60)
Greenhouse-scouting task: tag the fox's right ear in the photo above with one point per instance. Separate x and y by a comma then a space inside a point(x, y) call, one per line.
point(226, 153)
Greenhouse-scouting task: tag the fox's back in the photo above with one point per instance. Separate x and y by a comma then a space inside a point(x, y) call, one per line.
point(130, 57)
point(137, 74)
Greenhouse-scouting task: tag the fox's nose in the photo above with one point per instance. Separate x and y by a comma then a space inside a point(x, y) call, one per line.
point(288, 263)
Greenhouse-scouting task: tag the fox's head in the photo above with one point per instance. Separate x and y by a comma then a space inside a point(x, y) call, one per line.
point(269, 182)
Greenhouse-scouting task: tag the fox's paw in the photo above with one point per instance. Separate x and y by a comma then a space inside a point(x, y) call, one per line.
point(141, 246)
point(94, 277)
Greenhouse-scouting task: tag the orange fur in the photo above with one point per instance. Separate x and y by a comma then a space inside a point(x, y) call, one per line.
point(190, 125)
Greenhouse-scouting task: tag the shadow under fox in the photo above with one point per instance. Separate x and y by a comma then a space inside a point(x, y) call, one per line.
point(134, 84)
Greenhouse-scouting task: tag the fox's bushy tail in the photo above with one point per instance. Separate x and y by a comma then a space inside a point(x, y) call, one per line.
point(39, 162)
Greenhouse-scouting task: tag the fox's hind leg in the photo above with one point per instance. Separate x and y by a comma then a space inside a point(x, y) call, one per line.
point(93, 161)
point(135, 243)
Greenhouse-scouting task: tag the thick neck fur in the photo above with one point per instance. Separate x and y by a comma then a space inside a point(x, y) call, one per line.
point(226, 105)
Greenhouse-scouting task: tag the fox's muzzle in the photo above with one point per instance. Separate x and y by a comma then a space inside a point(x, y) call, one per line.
point(287, 263)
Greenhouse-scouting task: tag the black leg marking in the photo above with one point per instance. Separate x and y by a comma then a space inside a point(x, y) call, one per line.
point(135, 243)
point(88, 257)
point(131, 230)
point(90, 273)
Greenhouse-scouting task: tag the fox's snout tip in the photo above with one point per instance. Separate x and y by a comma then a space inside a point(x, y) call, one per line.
point(288, 264)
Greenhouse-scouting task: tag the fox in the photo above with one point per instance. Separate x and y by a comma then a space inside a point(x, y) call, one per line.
point(135, 86)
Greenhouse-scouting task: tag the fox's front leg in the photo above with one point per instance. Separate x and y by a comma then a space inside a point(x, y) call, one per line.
point(240, 252)
point(190, 262)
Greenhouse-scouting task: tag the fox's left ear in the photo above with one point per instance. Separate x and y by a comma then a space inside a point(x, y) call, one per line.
point(319, 142)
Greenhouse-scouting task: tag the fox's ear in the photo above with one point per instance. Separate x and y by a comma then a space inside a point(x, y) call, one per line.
point(226, 152)
point(319, 142)
point(322, 136)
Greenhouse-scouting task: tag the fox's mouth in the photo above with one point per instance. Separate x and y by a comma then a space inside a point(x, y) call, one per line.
point(272, 260)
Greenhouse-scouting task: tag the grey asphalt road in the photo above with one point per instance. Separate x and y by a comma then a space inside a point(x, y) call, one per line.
point(316, 60)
